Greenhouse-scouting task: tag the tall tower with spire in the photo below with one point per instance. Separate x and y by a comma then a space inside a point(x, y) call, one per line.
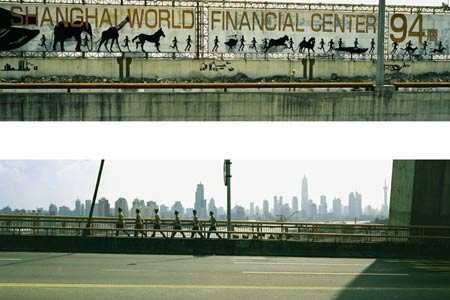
point(385, 208)
point(305, 196)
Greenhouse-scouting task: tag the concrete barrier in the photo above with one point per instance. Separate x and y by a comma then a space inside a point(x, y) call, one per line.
point(229, 106)
point(221, 247)
point(211, 69)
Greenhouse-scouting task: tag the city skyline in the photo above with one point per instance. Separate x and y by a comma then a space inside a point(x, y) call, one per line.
point(61, 182)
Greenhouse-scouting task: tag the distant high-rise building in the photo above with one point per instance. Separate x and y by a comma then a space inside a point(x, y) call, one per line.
point(385, 207)
point(103, 208)
point(221, 213)
point(266, 209)
point(354, 205)
point(78, 211)
point(212, 206)
point(238, 213)
point(200, 201)
point(149, 209)
point(137, 204)
point(87, 207)
point(275, 210)
point(123, 204)
point(337, 207)
point(294, 203)
point(313, 210)
point(305, 197)
point(177, 206)
point(53, 210)
point(64, 211)
point(252, 210)
point(257, 212)
point(164, 211)
point(323, 208)
point(285, 210)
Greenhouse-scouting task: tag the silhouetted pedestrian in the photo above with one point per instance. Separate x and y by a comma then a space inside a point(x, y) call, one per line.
point(212, 225)
point(177, 226)
point(242, 44)
point(139, 224)
point(195, 225)
point(188, 43)
point(120, 224)
point(157, 224)
point(174, 44)
point(216, 44)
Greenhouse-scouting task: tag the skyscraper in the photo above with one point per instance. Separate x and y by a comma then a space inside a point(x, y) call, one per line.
point(123, 204)
point(385, 208)
point(53, 210)
point(305, 197)
point(323, 208)
point(294, 203)
point(78, 211)
point(212, 206)
point(87, 207)
point(337, 207)
point(103, 208)
point(252, 210)
point(275, 206)
point(200, 201)
point(266, 213)
point(354, 205)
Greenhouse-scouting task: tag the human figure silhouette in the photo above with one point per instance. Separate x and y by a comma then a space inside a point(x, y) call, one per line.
point(126, 43)
point(253, 44)
point(372, 46)
point(216, 44)
point(177, 225)
point(340, 43)
point(85, 42)
point(212, 225)
point(175, 44)
point(265, 43)
point(157, 224)
point(291, 44)
point(356, 43)
point(242, 44)
point(330, 45)
point(394, 48)
point(322, 45)
point(195, 225)
point(424, 48)
point(43, 42)
point(139, 224)
point(120, 224)
point(188, 43)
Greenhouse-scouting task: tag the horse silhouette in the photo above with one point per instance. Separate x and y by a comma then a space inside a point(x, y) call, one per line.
point(231, 43)
point(112, 33)
point(439, 50)
point(409, 50)
point(152, 38)
point(309, 44)
point(277, 42)
point(64, 31)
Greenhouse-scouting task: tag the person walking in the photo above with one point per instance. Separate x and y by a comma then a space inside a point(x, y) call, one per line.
point(120, 224)
point(195, 225)
point(157, 224)
point(139, 225)
point(177, 226)
point(212, 225)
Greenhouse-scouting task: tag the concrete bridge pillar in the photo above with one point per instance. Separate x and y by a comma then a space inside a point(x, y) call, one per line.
point(420, 193)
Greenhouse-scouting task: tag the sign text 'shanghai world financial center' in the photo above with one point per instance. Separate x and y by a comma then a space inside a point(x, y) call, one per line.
point(138, 28)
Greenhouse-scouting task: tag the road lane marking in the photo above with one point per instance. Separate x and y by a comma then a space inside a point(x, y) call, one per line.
point(200, 286)
point(10, 259)
point(324, 273)
point(293, 263)
point(249, 258)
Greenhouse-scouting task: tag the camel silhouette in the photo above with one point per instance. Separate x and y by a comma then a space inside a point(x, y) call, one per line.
point(112, 33)
point(152, 38)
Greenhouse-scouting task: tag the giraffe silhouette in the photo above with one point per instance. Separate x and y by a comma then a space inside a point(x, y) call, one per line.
point(112, 33)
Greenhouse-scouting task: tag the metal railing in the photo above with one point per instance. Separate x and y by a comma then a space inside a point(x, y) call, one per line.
point(261, 230)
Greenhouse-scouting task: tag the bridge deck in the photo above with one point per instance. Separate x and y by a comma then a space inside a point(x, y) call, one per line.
point(107, 276)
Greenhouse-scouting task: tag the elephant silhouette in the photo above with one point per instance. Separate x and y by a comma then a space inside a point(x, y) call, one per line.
point(64, 31)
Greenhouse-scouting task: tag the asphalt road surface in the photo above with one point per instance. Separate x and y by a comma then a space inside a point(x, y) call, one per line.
point(34, 276)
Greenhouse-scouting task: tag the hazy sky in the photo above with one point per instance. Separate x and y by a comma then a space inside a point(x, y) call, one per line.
point(37, 183)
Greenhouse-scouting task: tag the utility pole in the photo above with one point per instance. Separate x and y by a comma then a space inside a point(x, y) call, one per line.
point(227, 181)
point(380, 43)
point(91, 212)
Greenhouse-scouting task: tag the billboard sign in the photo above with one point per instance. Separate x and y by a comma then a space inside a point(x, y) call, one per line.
point(111, 28)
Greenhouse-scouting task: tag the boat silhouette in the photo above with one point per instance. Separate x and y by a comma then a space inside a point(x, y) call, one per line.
point(12, 37)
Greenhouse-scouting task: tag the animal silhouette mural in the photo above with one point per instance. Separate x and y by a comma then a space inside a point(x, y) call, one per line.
point(12, 37)
point(277, 42)
point(231, 43)
point(64, 31)
point(307, 44)
point(152, 38)
point(112, 33)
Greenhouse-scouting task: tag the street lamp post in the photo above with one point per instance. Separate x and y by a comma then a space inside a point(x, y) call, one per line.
point(91, 211)
point(227, 181)
point(380, 43)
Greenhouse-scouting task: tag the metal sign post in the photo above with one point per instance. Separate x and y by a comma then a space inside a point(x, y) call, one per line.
point(91, 212)
point(227, 181)
point(380, 43)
